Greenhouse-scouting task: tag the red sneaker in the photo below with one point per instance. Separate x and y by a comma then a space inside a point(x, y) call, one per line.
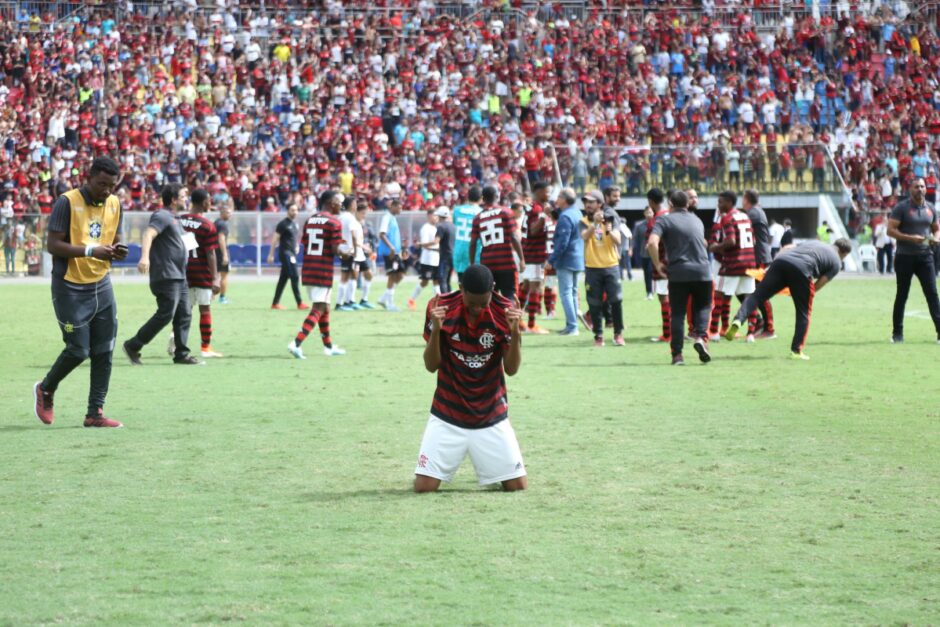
point(618, 341)
point(277, 306)
point(303, 306)
point(98, 420)
point(43, 404)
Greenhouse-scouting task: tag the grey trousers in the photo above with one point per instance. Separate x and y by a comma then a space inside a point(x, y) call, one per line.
point(172, 306)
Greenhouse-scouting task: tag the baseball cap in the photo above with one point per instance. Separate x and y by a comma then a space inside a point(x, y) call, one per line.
point(442, 212)
point(594, 195)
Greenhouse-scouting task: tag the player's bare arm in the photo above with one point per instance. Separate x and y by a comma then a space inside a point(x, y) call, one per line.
point(223, 247)
point(512, 359)
point(473, 247)
point(214, 271)
point(432, 352)
point(517, 247)
point(57, 246)
point(652, 247)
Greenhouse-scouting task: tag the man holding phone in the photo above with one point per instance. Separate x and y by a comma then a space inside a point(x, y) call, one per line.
point(84, 238)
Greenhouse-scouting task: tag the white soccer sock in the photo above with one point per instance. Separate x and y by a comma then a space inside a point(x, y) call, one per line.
point(350, 289)
point(389, 296)
point(437, 290)
point(416, 292)
point(365, 289)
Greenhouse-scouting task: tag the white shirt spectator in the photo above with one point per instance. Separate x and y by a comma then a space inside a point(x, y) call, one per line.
point(429, 256)
point(776, 234)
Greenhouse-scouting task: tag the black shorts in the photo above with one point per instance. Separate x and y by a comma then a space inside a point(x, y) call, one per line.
point(346, 264)
point(364, 266)
point(506, 282)
point(87, 317)
point(426, 272)
point(393, 263)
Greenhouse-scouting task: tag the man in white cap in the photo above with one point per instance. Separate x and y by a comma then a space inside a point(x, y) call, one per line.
point(446, 233)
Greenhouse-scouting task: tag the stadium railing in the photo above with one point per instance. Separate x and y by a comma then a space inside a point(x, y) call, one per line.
point(249, 239)
point(637, 168)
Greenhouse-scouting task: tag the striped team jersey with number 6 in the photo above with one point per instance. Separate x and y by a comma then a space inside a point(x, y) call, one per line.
point(322, 232)
point(736, 261)
point(493, 228)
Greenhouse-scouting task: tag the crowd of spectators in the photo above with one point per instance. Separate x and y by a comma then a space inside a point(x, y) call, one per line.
point(268, 108)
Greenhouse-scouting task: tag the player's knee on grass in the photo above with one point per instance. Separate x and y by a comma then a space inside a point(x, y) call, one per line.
point(514, 485)
point(423, 484)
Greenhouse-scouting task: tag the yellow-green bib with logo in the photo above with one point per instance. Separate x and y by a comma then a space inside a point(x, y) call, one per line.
point(91, 225)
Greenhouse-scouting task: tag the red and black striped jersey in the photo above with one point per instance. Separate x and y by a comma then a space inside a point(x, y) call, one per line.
point(493, 229)
point(198, 273)
point(737, 260)
point(533, 244)
point(471, 383)
point(322, 233)
point(549, 244)
point(662, 246)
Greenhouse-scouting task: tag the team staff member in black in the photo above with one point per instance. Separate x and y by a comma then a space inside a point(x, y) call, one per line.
point(683, 235)
point(750, 202)
point(913, 223)
point(222, 259)
point(163, 254)
point(285, 241)
point(804, 269)
point(83, 239)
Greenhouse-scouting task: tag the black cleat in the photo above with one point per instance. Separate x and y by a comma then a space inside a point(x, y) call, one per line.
point(132, 355)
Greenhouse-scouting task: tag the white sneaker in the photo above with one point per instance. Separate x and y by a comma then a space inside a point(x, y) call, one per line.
point(750, 338)
point(336, 350)
point(209, 353)
point(171, 346)
point(295, 350)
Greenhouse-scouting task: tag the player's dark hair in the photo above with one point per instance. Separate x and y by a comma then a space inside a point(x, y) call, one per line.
point(198, 197)
point(729, 196)
point(787, 222)
point(844, 246)
point(477, 279)
point(679, 199)
point(106, 165)
point(540, 185)
point(348, 203)
point(475, 194)
point(325, 199)
point(490, 194)
point(751, 196)
point(655, 195)
point(169, 193)
point(610, 189)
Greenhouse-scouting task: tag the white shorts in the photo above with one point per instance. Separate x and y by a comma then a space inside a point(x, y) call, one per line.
point(734, 285)
point(200, 296)
point(715, 267)
point(320, 294)
point(494, 451)
point(551, 281)
point(661, 287)
point(533, 272)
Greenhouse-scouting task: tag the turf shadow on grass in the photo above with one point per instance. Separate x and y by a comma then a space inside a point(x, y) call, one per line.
point(408, 492)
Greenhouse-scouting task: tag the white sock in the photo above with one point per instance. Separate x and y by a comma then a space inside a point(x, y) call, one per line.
point(416, 292)
point(389, 296)
point(437, 290)
point(365, 289)
point(350, 289)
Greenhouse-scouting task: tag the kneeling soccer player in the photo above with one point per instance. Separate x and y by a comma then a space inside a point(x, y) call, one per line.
point(472, 340)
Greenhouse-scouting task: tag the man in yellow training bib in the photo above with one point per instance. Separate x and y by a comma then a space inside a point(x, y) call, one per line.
point(83, 239)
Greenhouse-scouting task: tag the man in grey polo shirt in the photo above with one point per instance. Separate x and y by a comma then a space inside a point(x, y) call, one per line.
point(913, 223)
point(683, 236)
point(163, 254)
point(805, 270)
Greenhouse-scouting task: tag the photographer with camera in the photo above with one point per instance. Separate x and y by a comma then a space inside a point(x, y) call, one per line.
point(601, 235)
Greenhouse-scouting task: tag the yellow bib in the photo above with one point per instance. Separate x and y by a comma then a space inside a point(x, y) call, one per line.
point(91, 225)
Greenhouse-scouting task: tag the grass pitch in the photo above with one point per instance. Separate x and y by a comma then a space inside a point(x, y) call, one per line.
point(264, 489)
